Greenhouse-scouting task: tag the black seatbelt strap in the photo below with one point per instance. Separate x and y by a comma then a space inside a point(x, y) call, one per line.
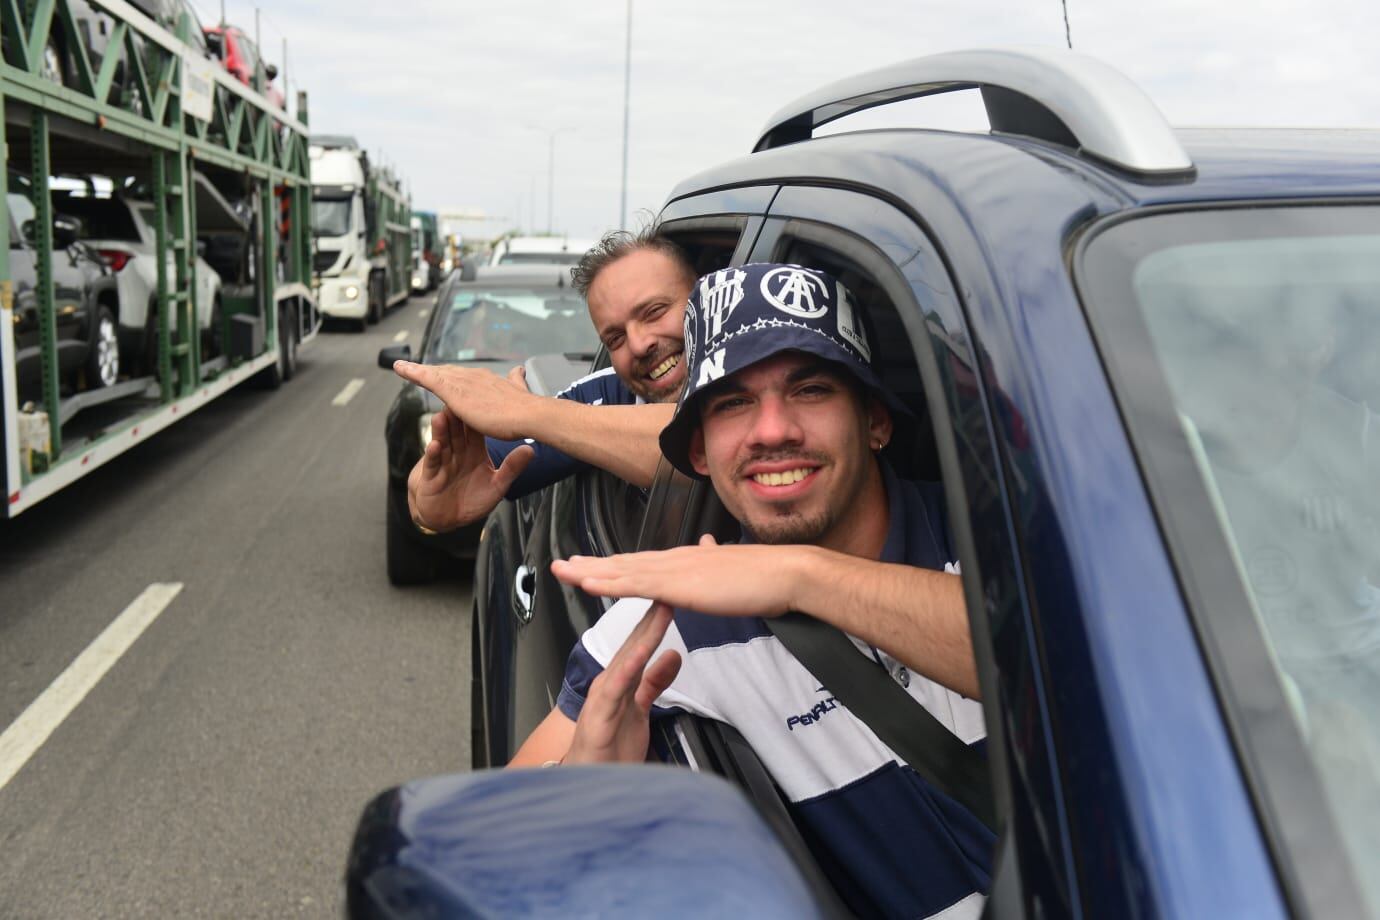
point(903, 725)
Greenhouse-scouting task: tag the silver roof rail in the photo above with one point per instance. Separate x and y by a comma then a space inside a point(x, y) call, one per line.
point(1047, 93)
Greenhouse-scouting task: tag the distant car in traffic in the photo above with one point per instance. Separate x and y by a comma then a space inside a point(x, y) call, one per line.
point(242, 59)
point(499, 320)
point(122, 230)
point(85, 300)
point(538, 250)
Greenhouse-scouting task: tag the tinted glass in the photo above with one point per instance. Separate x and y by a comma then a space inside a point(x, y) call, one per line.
point(511, 324)
point(330, 216)
point(21, 211)
point(102, 218)
point(1264, 326)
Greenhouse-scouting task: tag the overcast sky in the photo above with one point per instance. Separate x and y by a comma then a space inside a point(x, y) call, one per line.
point(463, 96)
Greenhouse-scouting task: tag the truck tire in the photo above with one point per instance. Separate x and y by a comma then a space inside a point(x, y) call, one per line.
point(375, 299)
point(287, 338)
point(408, 563)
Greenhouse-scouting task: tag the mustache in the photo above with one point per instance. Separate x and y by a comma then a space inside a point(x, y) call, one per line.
point(775, 454)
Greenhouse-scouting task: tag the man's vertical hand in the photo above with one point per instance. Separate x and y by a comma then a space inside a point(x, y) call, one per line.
point(614, 725)
point(454, 483)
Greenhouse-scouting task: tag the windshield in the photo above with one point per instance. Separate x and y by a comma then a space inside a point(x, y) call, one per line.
point(511, 325)
point(330, 216)
point(1262, 330)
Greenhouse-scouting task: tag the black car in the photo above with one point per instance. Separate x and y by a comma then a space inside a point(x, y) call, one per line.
point(501, 318)
point(84, 299)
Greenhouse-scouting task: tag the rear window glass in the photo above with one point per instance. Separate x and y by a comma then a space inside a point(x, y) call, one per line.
point(102, 218)
point(511, 325)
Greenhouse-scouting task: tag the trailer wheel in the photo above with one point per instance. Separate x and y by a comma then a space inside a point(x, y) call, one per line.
point(272, 377)
point(287, 341)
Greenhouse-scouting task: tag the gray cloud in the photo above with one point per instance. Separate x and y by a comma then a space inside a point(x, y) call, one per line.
point(461, 95)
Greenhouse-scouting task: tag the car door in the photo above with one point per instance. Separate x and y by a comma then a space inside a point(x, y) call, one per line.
point(928, 359)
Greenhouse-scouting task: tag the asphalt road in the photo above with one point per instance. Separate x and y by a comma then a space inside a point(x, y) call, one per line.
point(218, 768)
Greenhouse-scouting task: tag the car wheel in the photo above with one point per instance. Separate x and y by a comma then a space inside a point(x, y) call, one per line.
point(103, 361)
point(408, 562)
point(479, 738)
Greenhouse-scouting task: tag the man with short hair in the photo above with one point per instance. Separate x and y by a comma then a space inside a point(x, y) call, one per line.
point(636, 287)
point(785, 415)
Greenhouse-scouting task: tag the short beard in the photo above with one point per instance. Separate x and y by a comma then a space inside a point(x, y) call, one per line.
point(792, 527)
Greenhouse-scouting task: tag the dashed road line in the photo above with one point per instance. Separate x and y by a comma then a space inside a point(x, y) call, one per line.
point(348, 393)
point(422, 314)
point(401, 336)
point(28, 732)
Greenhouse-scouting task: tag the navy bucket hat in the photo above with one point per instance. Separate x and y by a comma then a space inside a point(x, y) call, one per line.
point(739, 316)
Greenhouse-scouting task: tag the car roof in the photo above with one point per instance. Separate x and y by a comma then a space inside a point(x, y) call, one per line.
point(1092, 124)
point(1229, 164)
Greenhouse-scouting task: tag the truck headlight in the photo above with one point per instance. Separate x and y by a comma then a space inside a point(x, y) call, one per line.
point(351, 291)
point(424, 428)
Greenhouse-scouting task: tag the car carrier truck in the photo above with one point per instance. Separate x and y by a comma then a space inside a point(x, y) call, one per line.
point(224, 173)
point(363, 256)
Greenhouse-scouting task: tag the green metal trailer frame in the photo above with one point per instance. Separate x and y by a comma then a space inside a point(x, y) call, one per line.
point(149, 128)
point(392, 233)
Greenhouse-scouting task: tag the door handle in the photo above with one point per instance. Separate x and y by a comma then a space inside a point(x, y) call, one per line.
point(524, 586)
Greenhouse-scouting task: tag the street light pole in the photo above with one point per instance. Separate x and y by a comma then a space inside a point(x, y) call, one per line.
point(627, 91)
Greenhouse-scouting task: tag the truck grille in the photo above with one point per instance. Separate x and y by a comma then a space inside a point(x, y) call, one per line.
point(324, 259)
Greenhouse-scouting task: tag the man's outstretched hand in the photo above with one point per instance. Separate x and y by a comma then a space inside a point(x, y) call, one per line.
point(454, 483)
point(614, 725)
point(492, 405)
point(737, 580)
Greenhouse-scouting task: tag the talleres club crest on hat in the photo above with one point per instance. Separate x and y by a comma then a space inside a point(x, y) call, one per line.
point(797, 291)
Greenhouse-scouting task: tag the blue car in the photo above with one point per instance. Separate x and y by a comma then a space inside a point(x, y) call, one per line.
point(1143, 361)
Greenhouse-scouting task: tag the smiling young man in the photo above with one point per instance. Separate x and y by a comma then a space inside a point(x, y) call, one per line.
point(784, 414)
point(495, 439)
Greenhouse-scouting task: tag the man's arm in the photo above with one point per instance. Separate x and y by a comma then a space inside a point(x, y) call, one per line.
point(620, 439)
point(915, 615)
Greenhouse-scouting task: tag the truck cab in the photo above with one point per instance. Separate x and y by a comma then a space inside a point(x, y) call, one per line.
point(341, 265)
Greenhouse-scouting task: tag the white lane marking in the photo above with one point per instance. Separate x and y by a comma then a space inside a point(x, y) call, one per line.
point(401, 336)
point(348, 393)
point(28, 732)
point(422, 314)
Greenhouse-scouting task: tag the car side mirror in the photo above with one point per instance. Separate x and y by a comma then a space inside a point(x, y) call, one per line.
point(201, 247)
point(394, 353)
point(578, 840)
point(66, 231)
point(271, 70)
point(213, 42)
point(28, 230)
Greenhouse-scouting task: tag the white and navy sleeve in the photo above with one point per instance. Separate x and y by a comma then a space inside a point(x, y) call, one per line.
point(602, 641)
point(602, 388)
